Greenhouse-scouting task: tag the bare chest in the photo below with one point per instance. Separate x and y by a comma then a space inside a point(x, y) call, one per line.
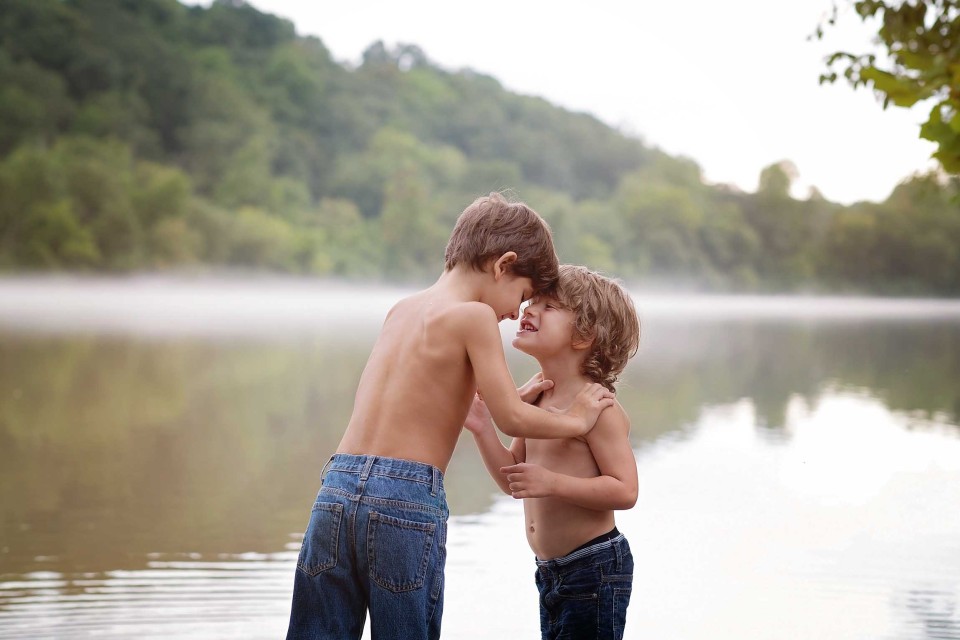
point(571, 456)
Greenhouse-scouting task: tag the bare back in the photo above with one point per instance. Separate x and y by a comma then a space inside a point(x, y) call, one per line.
point(416, 387)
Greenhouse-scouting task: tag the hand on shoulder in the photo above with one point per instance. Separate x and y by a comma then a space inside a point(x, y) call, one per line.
point(612, 421)
point(590, 402)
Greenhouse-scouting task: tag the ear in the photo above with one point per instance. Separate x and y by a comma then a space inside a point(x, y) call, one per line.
point(503, 264)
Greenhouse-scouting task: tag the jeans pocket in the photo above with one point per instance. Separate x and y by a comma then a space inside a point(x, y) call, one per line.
point(399, 551)
point(321, 541)
point(582, 584)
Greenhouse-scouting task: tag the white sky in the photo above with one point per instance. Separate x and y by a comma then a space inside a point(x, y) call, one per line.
point(731, 84)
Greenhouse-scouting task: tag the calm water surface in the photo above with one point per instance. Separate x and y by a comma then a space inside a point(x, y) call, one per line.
point(161, 442)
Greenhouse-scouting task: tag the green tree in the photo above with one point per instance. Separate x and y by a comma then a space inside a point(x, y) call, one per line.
point(34, 105)
point(353, 247)
point(921, 39)
point(39, 226)
point(788, 230)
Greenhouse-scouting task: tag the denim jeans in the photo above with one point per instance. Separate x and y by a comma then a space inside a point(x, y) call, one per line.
point(585, 594)
point(376, 540)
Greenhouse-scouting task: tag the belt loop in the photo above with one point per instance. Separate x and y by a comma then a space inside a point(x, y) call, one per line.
point(323, 471)
point(435, 488)
point(366, 468)
point(619, 552)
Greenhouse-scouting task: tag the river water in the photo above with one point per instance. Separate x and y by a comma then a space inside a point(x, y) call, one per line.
point(161, 441)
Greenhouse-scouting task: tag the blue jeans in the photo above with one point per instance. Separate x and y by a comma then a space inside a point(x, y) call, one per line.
point(585, 594)
point(376, 540)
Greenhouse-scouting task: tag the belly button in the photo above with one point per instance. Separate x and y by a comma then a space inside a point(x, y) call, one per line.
point(532, 529)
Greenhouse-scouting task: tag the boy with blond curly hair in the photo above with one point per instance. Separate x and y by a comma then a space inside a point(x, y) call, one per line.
point(585, 330)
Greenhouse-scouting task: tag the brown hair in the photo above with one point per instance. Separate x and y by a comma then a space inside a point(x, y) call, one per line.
point(491, 226)
point(603, 311)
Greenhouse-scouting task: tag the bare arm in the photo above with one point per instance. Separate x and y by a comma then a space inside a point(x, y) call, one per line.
point(492, 451)
point(480, 424)
point(615, 488)
point(513, 416)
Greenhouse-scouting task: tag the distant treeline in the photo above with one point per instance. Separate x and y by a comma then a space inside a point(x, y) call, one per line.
point(145, 134)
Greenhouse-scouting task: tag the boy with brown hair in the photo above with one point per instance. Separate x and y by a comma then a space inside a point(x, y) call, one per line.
point(377, 532)
point(584, 331)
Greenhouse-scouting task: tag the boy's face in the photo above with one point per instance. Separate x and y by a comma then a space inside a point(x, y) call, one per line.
point(511, 291)
point(546, 328)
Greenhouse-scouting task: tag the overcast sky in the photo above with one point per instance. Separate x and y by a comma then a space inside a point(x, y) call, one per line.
point(732, 85)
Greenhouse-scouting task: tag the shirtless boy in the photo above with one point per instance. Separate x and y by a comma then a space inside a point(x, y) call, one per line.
point(585, 331)
point(377, 532)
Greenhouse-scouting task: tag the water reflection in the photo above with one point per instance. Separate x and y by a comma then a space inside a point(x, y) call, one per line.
point(912, 366)
point(171, 471)
point(931, 613)
point(181, 595)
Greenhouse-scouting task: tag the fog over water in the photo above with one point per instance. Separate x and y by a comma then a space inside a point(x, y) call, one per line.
point(230, 306)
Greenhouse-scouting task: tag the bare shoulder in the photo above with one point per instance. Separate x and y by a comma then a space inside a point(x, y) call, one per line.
point(471, 316)
point(473, 311)
point(410, 302)
point(613, 421)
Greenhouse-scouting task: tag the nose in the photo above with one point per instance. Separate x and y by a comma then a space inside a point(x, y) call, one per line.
point(514, 315)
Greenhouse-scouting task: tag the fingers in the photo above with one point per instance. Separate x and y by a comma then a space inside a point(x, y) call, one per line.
point(597, 392)
point(518, 480)
point(518, 490)
point(514, 475)
point(534, 387)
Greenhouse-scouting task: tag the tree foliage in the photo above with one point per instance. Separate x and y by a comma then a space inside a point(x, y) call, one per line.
point(921, 40)
point(150, 134)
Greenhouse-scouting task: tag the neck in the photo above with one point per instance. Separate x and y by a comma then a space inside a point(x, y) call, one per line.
point(564, 370)
point(461, 284)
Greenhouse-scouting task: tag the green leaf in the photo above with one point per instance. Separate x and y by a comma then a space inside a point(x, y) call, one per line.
point(902, 92)
point(955, 122)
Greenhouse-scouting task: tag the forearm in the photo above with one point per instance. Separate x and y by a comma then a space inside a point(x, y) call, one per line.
point(602, 493)
point(494, 456)
point(521, 420)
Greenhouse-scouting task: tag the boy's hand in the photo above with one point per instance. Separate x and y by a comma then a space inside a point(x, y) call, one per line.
point(529, 480)
point(478, 419)
point(533, 387)
point(588, 404)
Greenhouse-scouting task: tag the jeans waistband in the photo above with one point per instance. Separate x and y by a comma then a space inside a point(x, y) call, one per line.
point(367, 466)
point(583, 552)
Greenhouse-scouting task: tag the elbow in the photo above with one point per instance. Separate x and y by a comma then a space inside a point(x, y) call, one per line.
point(628, 500)
point(511, 424)
point(509, 430)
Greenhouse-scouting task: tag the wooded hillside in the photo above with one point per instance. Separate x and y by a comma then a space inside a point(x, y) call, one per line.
point(145, 134)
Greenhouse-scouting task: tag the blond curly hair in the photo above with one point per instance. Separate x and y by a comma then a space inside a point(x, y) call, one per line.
point(603, 312)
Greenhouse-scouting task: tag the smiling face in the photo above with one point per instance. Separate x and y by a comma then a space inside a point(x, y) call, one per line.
point(545, 328)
